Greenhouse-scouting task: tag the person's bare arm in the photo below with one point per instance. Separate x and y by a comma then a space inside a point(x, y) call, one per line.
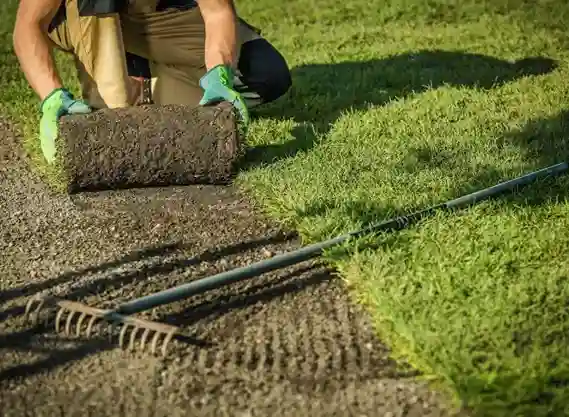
point(33, 47)
point(220, 20)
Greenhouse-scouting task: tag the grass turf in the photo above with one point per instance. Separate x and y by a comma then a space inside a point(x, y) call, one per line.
point(399, 105)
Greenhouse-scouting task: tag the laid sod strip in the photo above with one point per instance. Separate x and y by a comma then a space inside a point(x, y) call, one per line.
point(405, 104)
point(148, 146)
point(478, 302)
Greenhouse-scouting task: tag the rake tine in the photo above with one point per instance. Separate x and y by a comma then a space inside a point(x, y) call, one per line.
point(79, 323)
point(166, 341)
point(155, 342)
point(100, 327)
point(111, 330)
point(36, 313)
point(133, 338)
point(90, 325)
point(69, 322)
point(58, 319)
point(67, 312)
point(121, 335)
point(28, 312)
point(77, 313)
point(29, 305)
point(144, 337)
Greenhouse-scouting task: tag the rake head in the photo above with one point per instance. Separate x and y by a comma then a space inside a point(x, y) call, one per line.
point(76, 319)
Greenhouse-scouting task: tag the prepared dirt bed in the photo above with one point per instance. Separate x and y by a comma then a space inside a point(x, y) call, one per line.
point(286, 344)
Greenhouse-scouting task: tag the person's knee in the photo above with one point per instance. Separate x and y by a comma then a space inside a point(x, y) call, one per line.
point(264, 70)
point(137, 66)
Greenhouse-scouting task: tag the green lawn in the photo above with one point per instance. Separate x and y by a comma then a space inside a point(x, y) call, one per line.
point(401, 104)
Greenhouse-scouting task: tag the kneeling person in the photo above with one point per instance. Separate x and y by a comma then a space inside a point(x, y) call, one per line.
point(196, 52)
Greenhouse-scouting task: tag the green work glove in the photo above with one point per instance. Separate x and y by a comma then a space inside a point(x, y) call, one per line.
point(217, 84)
point(58, 103)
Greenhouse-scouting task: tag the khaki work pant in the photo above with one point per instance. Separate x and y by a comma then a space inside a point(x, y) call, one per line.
point(172, 40)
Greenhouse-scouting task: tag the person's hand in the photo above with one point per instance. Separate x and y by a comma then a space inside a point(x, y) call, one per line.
point(217, 84)
point(59, 102)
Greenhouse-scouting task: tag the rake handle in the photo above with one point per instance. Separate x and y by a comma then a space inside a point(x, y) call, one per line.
point(305, 253)
point(507, 185)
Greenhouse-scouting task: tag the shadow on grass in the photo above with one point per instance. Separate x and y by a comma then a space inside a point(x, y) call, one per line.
point(304, 139)
point(321, 93)
point(542, 142)
point(545, 142)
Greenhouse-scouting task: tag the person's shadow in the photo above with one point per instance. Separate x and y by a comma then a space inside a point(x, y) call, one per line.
point(323, 92)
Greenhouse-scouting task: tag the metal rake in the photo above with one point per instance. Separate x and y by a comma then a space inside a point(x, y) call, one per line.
point(121, 315)
point(76, 319)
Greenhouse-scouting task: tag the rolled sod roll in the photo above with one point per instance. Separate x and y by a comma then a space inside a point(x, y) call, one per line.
point(147, 146)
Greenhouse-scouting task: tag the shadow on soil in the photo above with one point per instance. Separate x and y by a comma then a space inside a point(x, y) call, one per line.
point(139, 255)
point(321, 93)
point(213, 308)
point(136, 275)
point(52, 358)
point(241, 299)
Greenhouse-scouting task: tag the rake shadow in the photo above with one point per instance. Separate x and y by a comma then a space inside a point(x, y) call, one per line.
point(162, 267)
point(321, 93)
point(138, 255)
point(56, 358)
point(212, 309)
point(23, 340)
point(240, 298)
point(153, 269)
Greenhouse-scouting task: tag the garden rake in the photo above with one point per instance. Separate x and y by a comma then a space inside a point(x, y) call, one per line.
point(76, 319)
point(86, 317)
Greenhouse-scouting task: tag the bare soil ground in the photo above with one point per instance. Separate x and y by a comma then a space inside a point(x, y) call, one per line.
point(289, 343)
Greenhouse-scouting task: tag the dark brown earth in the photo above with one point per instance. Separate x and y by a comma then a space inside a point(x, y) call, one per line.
point(287, 344)
point(149, 146)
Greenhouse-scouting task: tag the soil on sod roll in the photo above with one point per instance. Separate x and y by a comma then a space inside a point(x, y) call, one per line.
point(289, 343)
point(148, 146)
